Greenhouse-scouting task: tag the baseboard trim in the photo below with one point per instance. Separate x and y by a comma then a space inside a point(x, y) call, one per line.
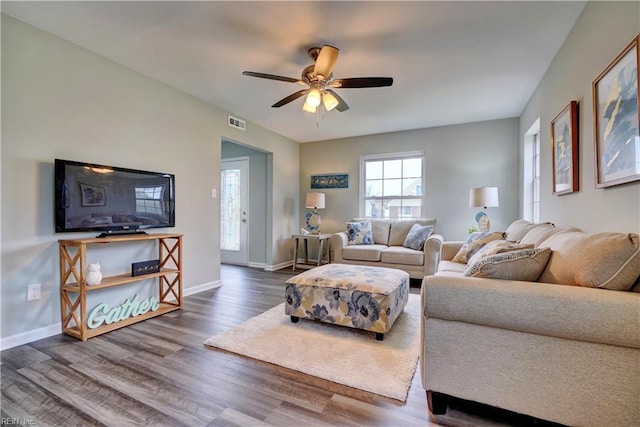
point(278, 266)
point(260, 265)
point(201, 288)
point(56, 328)
point(30, 336)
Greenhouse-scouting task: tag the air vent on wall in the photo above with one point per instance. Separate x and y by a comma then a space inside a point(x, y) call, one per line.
point(237, 123)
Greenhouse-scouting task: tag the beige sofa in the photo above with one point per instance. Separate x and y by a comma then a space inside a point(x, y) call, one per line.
point(388, 250)
point(567, 354)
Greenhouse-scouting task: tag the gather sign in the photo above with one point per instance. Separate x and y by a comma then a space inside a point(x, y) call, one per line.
point(102, 314)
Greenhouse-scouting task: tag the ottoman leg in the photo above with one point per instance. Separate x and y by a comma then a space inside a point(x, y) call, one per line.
point(294, 319)
point(379, 336)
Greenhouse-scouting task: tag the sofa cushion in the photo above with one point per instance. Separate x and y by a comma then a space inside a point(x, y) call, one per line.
point(380, 228)
point(417, 235)
point(359, 233)
point(402, 255)
point(400, 229)
point(524, 264)
point(538, 233)
point(497, 247)
point(516, 231)
point(451, 267)
point(597, 260)
point(474, 242)
point(363, 252)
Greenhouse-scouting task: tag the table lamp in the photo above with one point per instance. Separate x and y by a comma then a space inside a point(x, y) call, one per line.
point(483, 197)
point(314, 201)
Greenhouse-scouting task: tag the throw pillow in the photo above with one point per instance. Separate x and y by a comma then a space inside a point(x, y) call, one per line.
point(417, 236)
point(538, 233)
point(526, 265)
point(474, 242)
point(359, 233)
point(498, 247)
point(597, 260)
point(400, 228)
point(519, 228)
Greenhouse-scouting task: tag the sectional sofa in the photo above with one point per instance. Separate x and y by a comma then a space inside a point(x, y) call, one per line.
point(561, 342)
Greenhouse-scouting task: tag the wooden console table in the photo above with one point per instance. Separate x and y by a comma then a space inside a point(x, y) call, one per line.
point(74, 288)
point(321, 238)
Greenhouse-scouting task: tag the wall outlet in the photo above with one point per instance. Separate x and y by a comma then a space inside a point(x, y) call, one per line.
point(33, 292)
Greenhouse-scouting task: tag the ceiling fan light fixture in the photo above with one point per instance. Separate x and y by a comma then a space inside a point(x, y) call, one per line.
point(330, 102)
point(313, 98)
point(318, 78)
point(308, 108)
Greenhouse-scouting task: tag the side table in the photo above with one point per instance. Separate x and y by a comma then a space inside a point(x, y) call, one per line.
point(305, 238)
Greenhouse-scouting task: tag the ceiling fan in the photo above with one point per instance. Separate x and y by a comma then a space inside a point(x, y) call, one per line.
point(319, 79)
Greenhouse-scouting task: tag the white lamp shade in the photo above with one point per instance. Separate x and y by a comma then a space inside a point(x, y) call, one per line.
point(314, 97)
point(308, 108)
point(314, 200)
point(330, 102)
point(486, 197)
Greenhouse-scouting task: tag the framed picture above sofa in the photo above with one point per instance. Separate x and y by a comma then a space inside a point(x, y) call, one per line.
point(564, 144)
point(615, 111)
point(330, 180)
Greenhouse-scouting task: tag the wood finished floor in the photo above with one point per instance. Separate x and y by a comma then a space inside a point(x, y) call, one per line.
point(159, 373)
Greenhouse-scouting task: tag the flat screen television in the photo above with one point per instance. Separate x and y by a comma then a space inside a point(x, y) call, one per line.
point(109, 199)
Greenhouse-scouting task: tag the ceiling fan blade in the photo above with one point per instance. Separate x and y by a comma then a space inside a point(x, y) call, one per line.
point(358, 82)
point(342, 106)
point(271, 77)
point(325, 62)
point(290, 98)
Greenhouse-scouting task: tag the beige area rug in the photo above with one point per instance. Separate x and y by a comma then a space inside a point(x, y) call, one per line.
point(336, 353)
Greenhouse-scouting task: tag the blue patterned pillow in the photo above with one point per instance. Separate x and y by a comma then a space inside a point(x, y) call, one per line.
point(360, 233)
point(474, 242)
point(417, 236)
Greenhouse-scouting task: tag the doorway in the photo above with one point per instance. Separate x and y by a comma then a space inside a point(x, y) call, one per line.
point(234, 210)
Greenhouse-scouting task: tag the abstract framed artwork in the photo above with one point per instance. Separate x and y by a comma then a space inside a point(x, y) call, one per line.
point(336, 180)
point(93, 196)
point(564, 146)
point(616, 118)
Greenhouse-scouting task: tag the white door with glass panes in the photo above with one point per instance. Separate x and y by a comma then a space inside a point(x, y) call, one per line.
point(234, 210)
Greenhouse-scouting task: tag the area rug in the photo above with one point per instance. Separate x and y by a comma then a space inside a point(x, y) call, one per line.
point(343, 355)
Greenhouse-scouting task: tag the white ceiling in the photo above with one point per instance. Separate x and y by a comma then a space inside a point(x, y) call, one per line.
point(452, 62)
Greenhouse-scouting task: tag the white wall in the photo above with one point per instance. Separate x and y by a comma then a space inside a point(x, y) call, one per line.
point(457, 158)
point(601, 32)
point(61, 101)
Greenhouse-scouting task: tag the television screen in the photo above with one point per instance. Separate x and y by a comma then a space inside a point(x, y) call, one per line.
point(91, 197)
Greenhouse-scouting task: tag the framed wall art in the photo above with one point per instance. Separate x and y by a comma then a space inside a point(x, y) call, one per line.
point(615, 111)
point(564, 146)
point(335, 180)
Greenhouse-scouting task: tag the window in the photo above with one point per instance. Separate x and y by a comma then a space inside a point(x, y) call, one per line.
point(230, 209)
point(531, 174)
point(535, 202)
point(149, 199)
point(391, 185)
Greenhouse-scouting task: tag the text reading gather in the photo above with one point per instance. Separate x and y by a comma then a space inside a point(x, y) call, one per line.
point(130, 308)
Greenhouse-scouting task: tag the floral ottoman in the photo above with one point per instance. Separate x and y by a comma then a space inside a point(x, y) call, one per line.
point(362, 297)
